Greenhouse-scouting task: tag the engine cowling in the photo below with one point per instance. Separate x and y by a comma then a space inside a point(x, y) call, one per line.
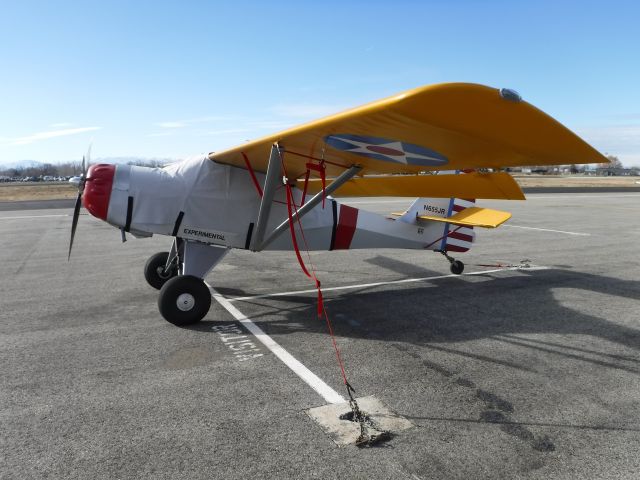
point(97, 189)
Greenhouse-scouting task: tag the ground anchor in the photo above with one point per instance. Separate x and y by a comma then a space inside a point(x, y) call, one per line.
point(376, 424)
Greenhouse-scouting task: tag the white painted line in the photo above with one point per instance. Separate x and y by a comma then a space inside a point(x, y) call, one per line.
point(530, 196)
point(378, 284)
point(550, 230)
point(537, 196)
point(34, 216)
point(310, 378)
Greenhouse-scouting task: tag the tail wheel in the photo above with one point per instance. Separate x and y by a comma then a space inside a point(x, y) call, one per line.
point(154, 270)
point(184, 300)
point(457, 267)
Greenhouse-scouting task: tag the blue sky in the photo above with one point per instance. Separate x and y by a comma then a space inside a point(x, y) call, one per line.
point(166, 79)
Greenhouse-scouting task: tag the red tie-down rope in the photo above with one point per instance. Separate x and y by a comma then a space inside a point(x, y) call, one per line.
point(321, 169)
point(321, 310)
point(365, 438)
point(291, 207)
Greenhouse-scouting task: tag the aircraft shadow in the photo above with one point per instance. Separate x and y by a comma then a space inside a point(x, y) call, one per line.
point(451, 310)
point(436, 314)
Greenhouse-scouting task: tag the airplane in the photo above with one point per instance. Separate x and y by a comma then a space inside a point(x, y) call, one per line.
point(446, 144)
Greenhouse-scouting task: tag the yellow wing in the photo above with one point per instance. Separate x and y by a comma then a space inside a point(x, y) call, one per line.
point(438, 127)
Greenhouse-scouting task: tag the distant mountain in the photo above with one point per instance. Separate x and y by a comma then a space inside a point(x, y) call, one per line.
point(22, 164)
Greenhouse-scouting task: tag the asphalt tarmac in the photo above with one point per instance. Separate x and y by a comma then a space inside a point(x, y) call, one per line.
point(529, 373)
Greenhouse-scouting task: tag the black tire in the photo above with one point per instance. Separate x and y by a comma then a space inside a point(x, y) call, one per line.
point(154, 268)
point(184, 300)
point(457, 267)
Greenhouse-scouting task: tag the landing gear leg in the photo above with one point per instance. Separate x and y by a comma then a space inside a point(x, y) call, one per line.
point(163, 266)
point(457, 267)
point(156, 271)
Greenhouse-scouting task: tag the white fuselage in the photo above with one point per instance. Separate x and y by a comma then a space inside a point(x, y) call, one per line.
point(200, 200)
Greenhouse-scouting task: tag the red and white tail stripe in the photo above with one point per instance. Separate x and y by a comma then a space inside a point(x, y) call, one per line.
point(459, 239)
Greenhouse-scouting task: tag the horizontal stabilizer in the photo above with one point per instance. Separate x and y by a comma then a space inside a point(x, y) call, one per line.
point(497, 186)
point(473, 217)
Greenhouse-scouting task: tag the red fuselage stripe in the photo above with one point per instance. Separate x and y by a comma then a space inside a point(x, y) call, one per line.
point(346, 227)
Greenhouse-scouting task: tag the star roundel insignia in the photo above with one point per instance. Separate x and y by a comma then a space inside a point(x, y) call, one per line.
point(386, 150)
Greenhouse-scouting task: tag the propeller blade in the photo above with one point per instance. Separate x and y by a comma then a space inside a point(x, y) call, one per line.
point(86, 160)
point(74, 222)
point(85, 167)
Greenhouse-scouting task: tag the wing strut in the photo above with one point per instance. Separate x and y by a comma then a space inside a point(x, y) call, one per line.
point(273, 172)
point(315, 200)
point(269, 190)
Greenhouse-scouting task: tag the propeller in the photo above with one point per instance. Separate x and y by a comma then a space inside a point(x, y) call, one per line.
point(76, 209)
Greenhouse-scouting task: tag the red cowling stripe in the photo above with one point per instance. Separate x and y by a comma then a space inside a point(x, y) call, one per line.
point(346, 227)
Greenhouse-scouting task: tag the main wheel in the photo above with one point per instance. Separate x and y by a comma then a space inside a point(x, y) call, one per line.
point(457, 267)
point(184, 300)
point(154, 272)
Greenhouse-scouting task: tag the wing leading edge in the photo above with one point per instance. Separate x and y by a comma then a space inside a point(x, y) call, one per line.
point(452, 126)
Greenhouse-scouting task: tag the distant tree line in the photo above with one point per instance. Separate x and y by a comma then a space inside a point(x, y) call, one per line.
point(613, 164)
point(46, 169)
point(67, 169)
